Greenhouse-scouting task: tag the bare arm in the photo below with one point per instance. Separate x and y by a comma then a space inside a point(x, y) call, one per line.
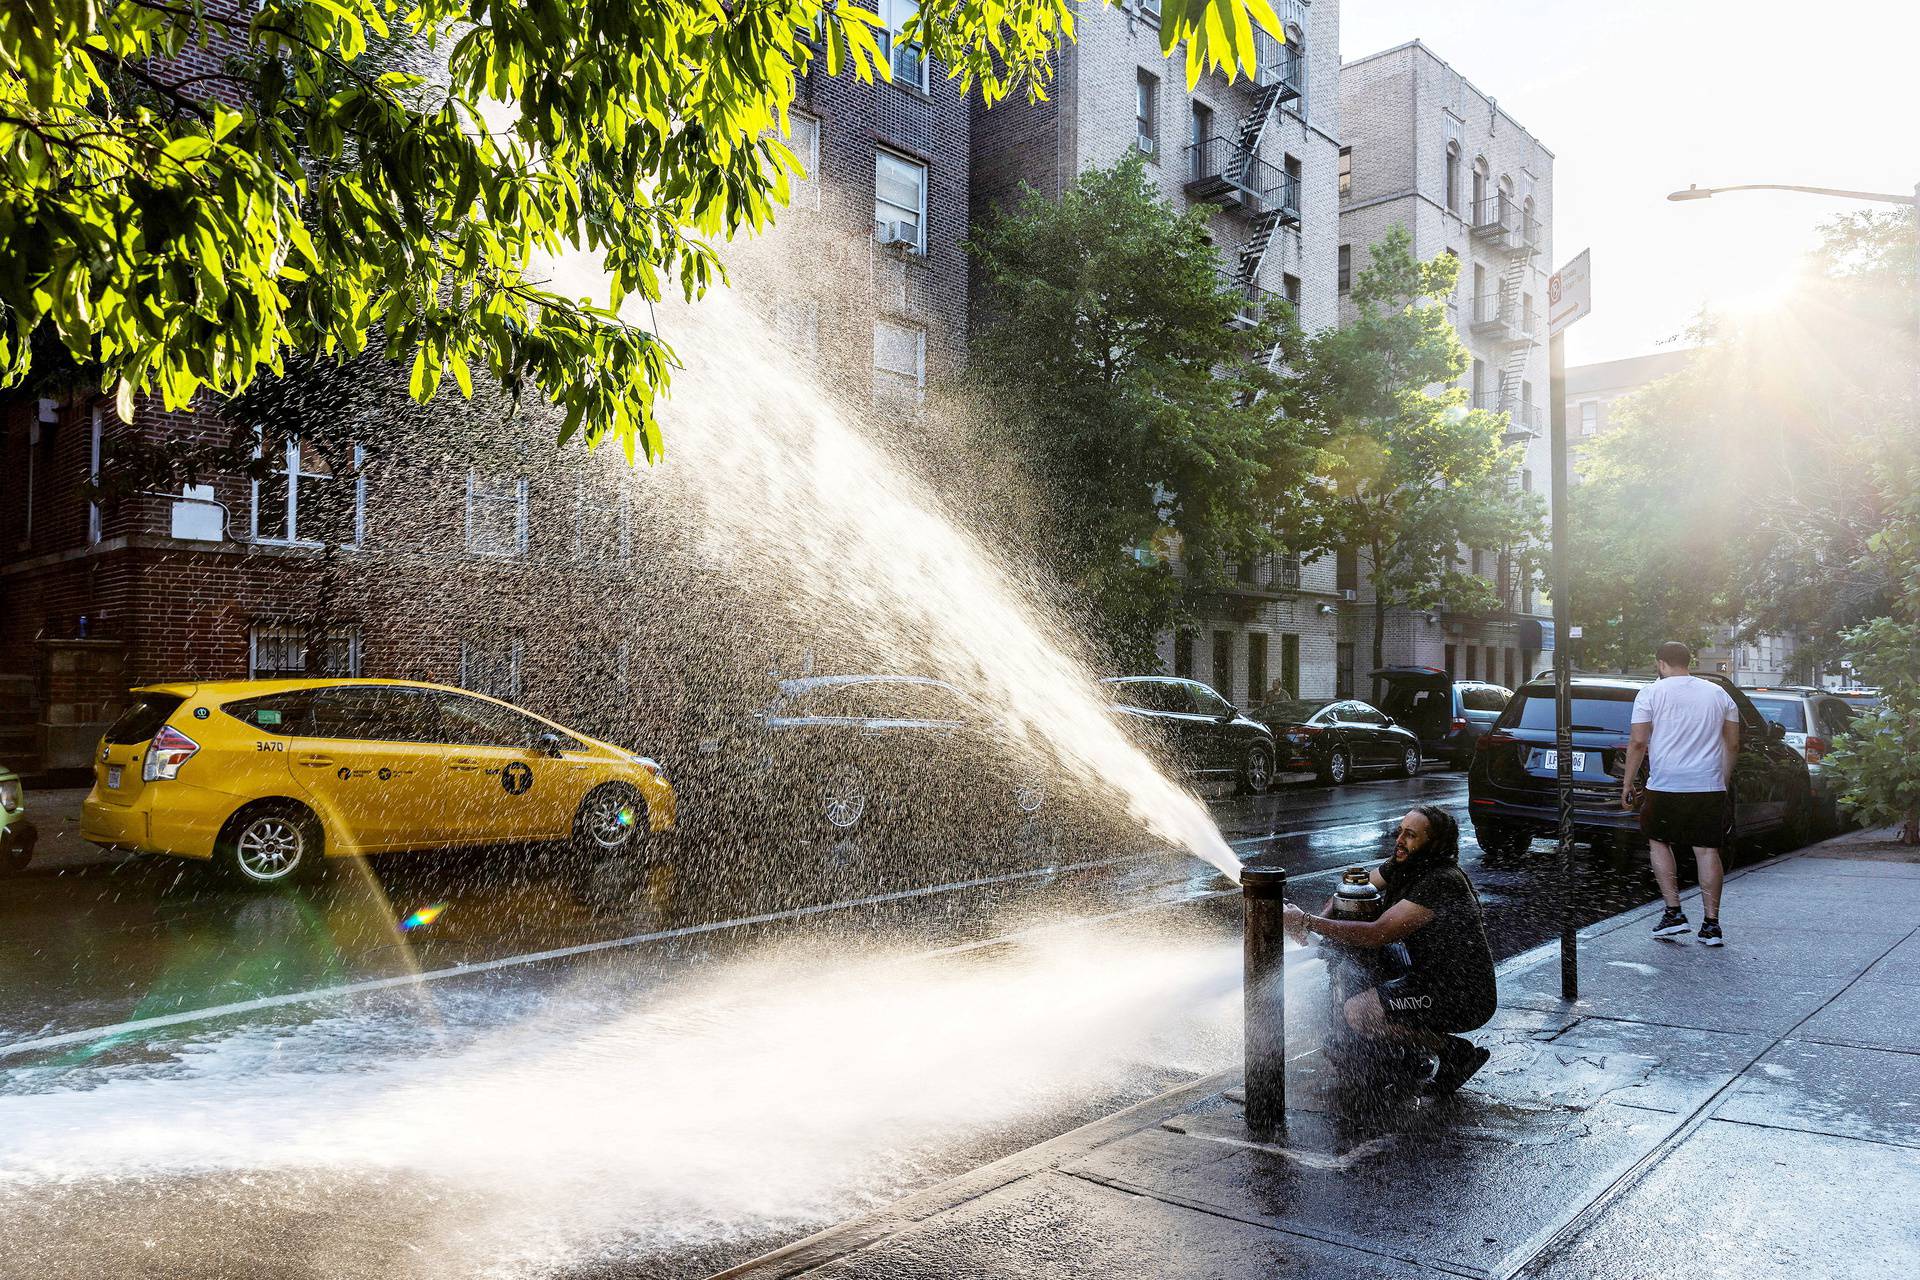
point(1401, 919)
point(1729, 750)
point(1637, 739)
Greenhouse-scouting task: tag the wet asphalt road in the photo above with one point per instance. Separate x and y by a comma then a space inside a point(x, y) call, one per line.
point(563, 1075)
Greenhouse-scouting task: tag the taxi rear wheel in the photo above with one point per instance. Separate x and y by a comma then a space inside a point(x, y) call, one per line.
point(272, 843)
point(610, 821)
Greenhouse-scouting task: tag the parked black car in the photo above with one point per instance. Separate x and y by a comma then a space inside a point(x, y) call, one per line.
point(847, 751)
point(1510, 786)
point(1336, 739)
point(1448, 715)
point(1199, 730)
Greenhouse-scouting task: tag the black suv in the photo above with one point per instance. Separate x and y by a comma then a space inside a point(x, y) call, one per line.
point(1448, 715)
point(1196, 727)
point(1510, 785)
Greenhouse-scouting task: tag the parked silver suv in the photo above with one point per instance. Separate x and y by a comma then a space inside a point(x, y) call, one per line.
point(1812, 719)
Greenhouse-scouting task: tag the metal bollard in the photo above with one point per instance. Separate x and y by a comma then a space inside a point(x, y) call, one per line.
point(1265, 996)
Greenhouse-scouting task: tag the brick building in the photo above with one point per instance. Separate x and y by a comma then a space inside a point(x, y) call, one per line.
point(476, 556)
point(1429, 151)
point(1262, 154)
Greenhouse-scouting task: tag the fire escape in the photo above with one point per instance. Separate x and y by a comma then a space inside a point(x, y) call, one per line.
point(1229, 172)
point(1507, 315)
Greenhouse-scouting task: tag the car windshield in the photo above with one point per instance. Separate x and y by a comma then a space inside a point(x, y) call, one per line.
point(1789, 713)
point(1594, 710)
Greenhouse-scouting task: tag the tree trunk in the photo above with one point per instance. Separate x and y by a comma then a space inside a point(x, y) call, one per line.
point(1910, 829)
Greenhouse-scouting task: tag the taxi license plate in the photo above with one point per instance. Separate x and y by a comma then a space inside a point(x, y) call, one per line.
point(113, 775)
point(1551, 760)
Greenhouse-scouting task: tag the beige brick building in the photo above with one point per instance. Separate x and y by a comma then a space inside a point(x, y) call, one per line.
point(1263, 154)
point(1429, 151)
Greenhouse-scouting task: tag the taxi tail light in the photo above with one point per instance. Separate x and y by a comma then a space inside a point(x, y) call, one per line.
point(1816, 748)
point(169, 750)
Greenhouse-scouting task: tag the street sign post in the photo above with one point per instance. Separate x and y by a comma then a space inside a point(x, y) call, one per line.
point(1569, 297)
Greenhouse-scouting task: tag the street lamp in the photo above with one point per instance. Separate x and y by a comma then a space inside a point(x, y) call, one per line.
point(1839, 193)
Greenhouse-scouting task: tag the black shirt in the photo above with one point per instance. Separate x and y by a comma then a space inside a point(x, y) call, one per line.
point(1450, 951)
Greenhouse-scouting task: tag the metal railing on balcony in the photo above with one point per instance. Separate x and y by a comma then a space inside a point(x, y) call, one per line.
point(1264, 574)
point(1524, 417)
point(1498, 217)
point(1277, 65)
point(1498, 314)
point(1253, 300)
point(1222, 171)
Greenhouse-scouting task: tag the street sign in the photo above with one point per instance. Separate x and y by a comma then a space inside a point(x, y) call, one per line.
point(1570, 293)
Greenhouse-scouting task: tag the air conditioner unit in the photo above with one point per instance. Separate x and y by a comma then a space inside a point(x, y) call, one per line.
point(1145, 144)
point(1349, 594)
point(899, 233)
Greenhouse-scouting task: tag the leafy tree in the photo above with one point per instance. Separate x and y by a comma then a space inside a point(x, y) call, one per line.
point(1114, 355)
point(1742, 489)
point(1878, 758)
point(1408, 473)
point(193, 190)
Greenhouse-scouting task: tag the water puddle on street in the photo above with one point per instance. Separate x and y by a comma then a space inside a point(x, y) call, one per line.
point(464, 1132)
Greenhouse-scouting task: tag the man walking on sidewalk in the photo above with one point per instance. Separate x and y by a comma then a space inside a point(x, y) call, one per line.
point(1691, 730)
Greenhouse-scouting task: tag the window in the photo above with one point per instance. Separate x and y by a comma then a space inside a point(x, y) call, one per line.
point(1290, 665)
point(1208, 702)
point(276, 649)
point(603, 517)
point(1590, 418)
point(93, 475)
point(1479, 382)
point(309, 499)
point(1453, 653)
point(491, 665)
point(1151, 695)
point(474, 722)
point(1146, 112)
point(1479, 189)
point(496, 515)
point(900, 199)
point(1346, 570)
point(1199, 129)
point(1343, 670)
point(796, 323)
point(908, 61)
point(1485, 697)
point(1151, 8)
point(1257, 667)
point(803, 139)
point(281, 714)
point(1345, 275)
point(1290, 190)
point(1453, 177)
point(1183, 653)
point(1478, 563)
point(1346, 172)
point(1223, 663)
point(1526, 318)
point(1361, 713)
point(1290, 289)
point(1607, 710)
point(1473, 661)
point(899, 358)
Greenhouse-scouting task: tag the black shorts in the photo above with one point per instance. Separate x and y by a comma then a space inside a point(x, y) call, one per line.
point(1694, 818)
point(1411, 1001)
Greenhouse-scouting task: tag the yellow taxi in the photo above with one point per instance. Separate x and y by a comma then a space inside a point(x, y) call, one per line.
point(266, 777)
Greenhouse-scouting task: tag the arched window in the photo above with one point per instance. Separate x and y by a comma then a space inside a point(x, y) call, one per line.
point(1526, 218)
point(1453, 177)
point(1478, 211)
point(1295, 63)
point(1506, 198)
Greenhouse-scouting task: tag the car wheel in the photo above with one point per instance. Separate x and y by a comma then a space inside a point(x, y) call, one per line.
point(1338, 768)
point(1256, 775)
point(610, 821)
point(1409, 762)
point(270, 844)
point(845, 797)
point(1497, 840)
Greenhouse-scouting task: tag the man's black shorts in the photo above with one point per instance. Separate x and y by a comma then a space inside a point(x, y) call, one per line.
point(1696, 818)
point(1410, 1001)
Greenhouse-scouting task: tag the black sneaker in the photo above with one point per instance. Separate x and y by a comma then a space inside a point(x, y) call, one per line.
point(1709, 934)
point(1672, 924)
point(1458, 1062)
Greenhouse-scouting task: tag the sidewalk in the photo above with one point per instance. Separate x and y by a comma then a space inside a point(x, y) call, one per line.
point(1748, 1112)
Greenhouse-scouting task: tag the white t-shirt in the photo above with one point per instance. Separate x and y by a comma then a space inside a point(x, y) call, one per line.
point(1686, 713)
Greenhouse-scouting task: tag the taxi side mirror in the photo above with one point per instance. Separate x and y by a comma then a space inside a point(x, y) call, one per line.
point(548, 744)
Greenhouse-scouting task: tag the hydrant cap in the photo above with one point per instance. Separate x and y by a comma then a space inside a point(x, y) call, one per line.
point(1258, 881)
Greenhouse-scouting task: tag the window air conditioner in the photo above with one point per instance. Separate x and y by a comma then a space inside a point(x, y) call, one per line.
point(899, 233)
point(1349, 594)
point(1144, 143)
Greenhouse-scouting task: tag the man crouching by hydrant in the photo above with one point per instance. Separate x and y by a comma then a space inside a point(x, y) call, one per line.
point(1429, 906)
